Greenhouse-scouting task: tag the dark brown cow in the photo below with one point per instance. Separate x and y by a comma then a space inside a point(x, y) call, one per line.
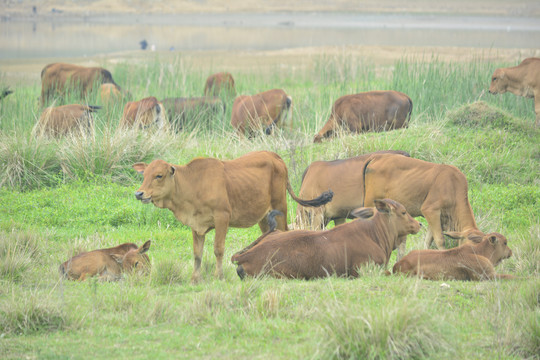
point(521, 80)
point(219, 84)
point(265, 110)
point(57, 78)
point(307, 254)
point(368, 111)
point(109, 263)
point(144, 113)
point(66, 119)
point(211, 194)
point(467, 262)
point(183, 110)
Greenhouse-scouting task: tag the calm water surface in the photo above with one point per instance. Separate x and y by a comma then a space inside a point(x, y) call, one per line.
point(72, 37)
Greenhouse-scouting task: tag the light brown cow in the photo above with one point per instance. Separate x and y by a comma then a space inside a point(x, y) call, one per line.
point(67, 119)
point(265, 110)
point(345, 178)
point(109, 263)
point(307, 254)
point(368, 111)
point(220, 84)
point(437, 192)
point(521, 80)
point(467, 262)
point(144, 113)
point(183, 110)
point(211, 194)
point(57, 78)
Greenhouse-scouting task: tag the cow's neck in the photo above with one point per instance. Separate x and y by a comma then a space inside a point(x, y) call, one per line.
point(383, 234)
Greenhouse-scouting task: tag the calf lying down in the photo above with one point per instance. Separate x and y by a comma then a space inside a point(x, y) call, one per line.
point(109, 263)
point(341, 250)
point(467, 262)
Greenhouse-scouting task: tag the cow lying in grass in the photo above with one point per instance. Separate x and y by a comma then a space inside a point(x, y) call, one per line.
point(307, 254)
point(466, 262)
point(72, 119)
point(109, 263)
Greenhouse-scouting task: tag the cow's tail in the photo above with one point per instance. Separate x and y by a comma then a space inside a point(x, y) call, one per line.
point(410, 111)
point(93, 108)
point(322, 199)
point(272, 224)
point(364, 172)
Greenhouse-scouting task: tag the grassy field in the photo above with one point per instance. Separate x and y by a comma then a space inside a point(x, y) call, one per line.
point(60, 197)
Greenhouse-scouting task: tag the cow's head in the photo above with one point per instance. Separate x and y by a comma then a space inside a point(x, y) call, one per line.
point(404, 223)
point(498, 248)
point(498, 82)
point(135, 259)
point(158, 182)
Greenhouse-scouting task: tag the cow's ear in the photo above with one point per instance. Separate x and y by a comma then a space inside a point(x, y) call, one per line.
point(454, 235)
point(493, 240)
point(145, 247)
point(118, 258)
point(382, 206)
point(173, 169)
point(139, 167)
point(362, 213)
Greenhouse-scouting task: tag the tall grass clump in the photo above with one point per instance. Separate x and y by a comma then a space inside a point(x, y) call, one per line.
point(19, 251)
point(399, 331)
point(27, 162)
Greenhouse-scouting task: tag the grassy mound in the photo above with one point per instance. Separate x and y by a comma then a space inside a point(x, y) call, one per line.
point(481, 114)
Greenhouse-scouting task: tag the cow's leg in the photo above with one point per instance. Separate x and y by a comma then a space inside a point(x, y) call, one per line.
point(433, 216)
point(222, 224)
point(198, 247)
point(428, 240)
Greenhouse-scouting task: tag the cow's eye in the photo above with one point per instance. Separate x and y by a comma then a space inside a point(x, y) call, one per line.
point(136, 263)
point(403, 213)
point(159, 176)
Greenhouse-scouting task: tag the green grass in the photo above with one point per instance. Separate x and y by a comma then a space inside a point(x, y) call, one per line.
point(59, 197)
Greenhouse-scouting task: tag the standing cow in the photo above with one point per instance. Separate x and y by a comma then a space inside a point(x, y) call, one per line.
point(220, 84)
point(307, 254)
point(208, 194)
point(521, 80)
point(144, 113)
point(73, 119)
point(368, 111)
point(57, 78)
point(250, 114)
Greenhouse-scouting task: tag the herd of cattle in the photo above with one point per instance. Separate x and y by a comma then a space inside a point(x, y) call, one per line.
point(384, 189)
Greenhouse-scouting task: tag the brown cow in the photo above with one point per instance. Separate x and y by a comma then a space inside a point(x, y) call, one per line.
point(220, 83)
point(183, 110)
point(345, 178)
point(66, 119)
point(467, 262)
point(438, 192)
point(307, 254)
point(109, 263)
point(265, 110)
point(144, 113)
point(56, 78)
point(211, 194)
point(368, 111)
point(521, 80)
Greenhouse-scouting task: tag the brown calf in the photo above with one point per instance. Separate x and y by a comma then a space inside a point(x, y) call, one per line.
point(108, 264)
point(66, 119)
point(467, 262)
point(341, 250)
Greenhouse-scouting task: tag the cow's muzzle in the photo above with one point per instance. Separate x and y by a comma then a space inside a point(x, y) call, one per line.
point(139, 195)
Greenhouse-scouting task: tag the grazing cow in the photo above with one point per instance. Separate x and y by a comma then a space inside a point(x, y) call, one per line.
point(467, 262)
point(260, 111)
point(218, 84)
point(211, 194)
point(66, 119)
point(437, 192)
point(144, 113)
point(368, 111)
point(521, 80)
point(345, 178)
point(307, 254)
point(183, 110)
point(56, 78)
point(109, 263)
